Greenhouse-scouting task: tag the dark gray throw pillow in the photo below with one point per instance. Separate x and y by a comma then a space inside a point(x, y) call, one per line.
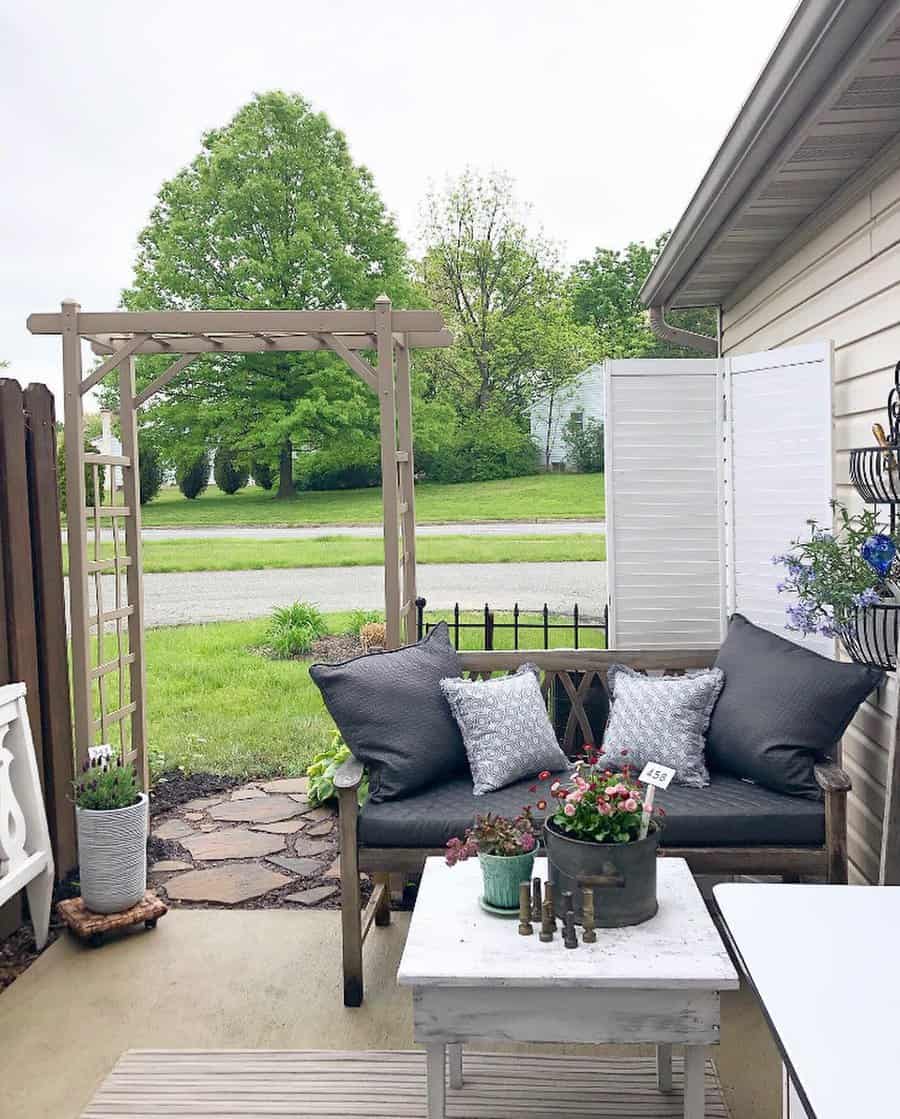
point(391, 711)
point(782, 708)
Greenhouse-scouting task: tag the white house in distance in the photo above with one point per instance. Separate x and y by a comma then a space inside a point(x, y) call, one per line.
point(794, 234)
point(583, 399)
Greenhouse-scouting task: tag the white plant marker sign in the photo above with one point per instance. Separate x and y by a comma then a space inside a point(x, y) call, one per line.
point(655, 776)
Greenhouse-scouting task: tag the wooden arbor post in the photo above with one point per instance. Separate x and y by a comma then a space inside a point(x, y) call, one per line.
point(390, 492)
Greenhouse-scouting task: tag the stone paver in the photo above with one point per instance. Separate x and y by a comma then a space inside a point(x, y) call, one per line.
point(287, 785)
point(244, 841)
point(304, 868)
point(233, 843)
point(264, 809)
point(310, 847)
point(321, 813)
point(249, 793)
point(313, 895)
point(226, 885)
point(204, 802)
point(281, 827)
point(173, 829)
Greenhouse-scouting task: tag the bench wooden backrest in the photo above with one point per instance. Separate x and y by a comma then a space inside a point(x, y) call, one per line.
point(570, 679)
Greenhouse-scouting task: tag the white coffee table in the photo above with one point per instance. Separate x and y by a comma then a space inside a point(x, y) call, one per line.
point(475, 979)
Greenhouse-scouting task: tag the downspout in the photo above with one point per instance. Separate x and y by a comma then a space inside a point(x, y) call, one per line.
point(678, 337)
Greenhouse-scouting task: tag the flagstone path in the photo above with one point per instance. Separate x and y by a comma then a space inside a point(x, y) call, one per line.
point(258, 846)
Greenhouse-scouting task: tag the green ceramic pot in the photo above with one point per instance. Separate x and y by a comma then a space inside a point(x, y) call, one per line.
point(502, 875)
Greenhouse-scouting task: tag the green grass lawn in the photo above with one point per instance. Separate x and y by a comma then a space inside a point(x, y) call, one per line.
point(340, 551)
point(536, 497)
point(216, 705)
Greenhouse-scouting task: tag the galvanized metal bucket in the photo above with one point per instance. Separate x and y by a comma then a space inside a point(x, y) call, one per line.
point(622, 876)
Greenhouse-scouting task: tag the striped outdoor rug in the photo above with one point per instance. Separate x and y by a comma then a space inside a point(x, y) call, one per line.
point(237, 1084)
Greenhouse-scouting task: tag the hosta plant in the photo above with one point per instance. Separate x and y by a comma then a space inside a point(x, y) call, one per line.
point(324, 766)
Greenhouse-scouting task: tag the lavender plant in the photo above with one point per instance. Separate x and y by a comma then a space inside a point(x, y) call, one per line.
point(834, 574)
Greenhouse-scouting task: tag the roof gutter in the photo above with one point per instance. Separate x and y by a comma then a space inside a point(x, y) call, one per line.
point(802, 73)
point(705, 343)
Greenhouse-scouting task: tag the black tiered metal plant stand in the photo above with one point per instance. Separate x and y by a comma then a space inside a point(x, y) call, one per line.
point(875, 474)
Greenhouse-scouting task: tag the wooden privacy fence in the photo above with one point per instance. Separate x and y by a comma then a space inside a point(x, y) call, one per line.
point(33, 624)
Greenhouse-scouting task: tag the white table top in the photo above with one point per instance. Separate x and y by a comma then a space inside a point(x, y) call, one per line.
point(823, 962)
point(452, 942)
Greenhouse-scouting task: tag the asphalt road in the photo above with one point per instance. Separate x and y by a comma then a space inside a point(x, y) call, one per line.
point(178, 599)
point(309, 532)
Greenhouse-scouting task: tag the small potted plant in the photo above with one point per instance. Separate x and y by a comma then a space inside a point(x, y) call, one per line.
point(505, 850)
point(601, 838)
point(111, 820)
point(845, 583)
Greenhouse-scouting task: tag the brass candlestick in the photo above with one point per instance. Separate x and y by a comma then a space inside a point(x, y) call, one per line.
point(536, 899)
point(548, 923)
point(524, 909)
point(587, 911)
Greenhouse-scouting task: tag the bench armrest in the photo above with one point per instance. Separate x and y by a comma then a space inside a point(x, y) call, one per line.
point(831, 778)
point(349, 775)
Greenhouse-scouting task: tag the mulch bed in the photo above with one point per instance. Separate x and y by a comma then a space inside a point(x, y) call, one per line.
point(175, 788)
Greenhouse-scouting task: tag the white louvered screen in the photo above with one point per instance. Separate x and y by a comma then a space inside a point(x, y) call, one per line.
point(778, 472)
point(663, 503)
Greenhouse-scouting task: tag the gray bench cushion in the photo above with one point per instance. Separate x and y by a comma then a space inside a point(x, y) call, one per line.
point(728, 812)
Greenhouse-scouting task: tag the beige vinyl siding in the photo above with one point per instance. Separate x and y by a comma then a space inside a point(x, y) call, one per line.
point(844, 285)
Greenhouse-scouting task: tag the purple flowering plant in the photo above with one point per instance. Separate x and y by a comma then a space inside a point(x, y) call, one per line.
point(495, 835)
point(835, 573)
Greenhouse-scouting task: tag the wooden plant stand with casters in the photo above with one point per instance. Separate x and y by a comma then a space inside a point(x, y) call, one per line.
point(93, 927)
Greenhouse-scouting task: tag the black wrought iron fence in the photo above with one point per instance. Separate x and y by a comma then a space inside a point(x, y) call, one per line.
point(521, 624)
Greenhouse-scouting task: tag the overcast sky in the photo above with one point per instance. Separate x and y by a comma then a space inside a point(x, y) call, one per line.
point(605, 112)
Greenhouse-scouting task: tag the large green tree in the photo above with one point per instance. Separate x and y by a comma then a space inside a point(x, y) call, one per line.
point(272, 214)
point(502, 294)
point(606, 295)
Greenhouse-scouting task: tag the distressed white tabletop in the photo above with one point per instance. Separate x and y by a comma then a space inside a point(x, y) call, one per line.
point(452, 942)
point(823, 962)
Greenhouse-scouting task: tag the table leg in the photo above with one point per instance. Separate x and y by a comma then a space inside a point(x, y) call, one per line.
point(694, 1088)
point(435, 1066)
point(664, 1068)
point(454, 1059)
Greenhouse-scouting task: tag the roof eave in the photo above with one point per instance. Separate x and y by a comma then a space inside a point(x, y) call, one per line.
point(807, 57)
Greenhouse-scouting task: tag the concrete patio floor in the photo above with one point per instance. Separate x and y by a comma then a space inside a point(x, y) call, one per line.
point(249, 979)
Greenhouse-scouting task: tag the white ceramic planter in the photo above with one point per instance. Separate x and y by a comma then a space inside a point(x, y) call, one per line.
point(112, 856)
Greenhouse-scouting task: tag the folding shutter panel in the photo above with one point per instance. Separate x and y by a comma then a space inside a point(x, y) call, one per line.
point(778, 473)
point(663, 503)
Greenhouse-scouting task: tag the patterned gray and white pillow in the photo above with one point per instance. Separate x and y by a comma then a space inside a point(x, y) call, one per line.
point(505, 728)
point(661, 719)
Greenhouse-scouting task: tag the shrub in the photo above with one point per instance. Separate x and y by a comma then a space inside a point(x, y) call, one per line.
point(360, 618)
point(293, 629)
point(349, 466)
point(324, 766)
point(90, 448)
point(193, 477)
point(486, 446)
point(228, 475)
point(263, 475)
point(151, 470)
point(585, 445)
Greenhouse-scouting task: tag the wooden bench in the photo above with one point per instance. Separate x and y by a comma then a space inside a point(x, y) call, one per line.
point(26, 861)
point(574, 682)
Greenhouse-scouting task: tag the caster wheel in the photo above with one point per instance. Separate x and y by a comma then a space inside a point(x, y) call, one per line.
point(95, 940)
point(151, 924)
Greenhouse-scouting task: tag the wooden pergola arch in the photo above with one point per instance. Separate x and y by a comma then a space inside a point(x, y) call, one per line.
point(109, 691)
